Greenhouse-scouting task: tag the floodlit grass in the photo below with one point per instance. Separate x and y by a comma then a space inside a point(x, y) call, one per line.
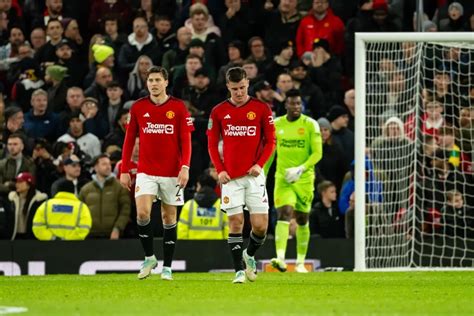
point(330, 293)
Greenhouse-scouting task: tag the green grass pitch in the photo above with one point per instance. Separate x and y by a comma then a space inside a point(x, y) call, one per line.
point(329, 293)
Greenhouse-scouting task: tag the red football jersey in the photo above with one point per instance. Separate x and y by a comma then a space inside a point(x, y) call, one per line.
point(165, 137)
point(248, 135)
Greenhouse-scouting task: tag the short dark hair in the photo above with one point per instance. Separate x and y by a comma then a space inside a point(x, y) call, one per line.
point(17, 135)
point(53, 20)
point(162, 17)
point(65, 185)
point(292, 93)
point(235, 74)
point(97, 158)
point(157, 70)
point(205, 180)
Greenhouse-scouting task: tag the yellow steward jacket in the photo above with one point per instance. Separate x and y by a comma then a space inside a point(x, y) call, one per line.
point(198, 222)
point(62, 217)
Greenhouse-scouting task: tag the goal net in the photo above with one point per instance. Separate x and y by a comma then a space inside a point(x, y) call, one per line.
point(414, 151)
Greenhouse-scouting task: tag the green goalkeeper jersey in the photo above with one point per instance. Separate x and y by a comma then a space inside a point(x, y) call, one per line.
point(298, 143)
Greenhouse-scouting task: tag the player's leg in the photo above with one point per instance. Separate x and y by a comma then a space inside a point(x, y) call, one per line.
point(145, 192)
point(285, 201)
point(168, 215)
point(171, 196)
point(232, 201)
point(257, 203)
point(305, 195)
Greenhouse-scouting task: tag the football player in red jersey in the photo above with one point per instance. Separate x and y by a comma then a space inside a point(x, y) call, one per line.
point(164, 127)
point(245, 125)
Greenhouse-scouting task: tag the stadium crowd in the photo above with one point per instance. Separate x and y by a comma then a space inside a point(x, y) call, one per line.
point(70, 71)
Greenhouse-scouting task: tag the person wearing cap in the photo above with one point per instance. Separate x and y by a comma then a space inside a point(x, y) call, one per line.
point(108, 201)
point(455, 21)
point(57, 90)
point(72, 172)
point(63, 217)
point(87, 142)
point(263, 91)
point(25, 200)
point(39, 122)
point(313, 97)
point(299, 148)
point(339, 118)
point(15, 163)
point(281, 62)
point(320, 22)
point(332, 166)
point(104, 56)
point(95, 121)
point(68, 58)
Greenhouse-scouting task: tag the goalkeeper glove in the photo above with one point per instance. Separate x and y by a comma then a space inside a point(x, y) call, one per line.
point(293, 174)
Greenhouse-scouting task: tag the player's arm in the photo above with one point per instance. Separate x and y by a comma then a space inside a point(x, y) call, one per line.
point(213, 137)
point(129, 142)
point(269, 135)
point(316, 144)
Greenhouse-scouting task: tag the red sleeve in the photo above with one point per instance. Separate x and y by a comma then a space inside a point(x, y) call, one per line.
point(300, 39)
point(269, 134)
point(185, 137)
point(213, 137)
point(130, 135)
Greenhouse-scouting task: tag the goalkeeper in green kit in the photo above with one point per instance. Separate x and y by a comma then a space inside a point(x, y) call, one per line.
point(299, 148)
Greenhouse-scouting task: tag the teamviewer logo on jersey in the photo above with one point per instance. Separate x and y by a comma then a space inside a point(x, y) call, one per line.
point(232, 130)
point(158, 129)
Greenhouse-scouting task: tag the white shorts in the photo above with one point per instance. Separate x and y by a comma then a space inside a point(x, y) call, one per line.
point(165, 188)
point(249, 191)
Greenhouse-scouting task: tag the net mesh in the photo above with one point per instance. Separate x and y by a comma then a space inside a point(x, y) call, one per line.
point(419, 135)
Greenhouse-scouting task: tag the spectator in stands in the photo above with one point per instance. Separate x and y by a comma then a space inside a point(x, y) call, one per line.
point(325, 70)
point(104, 56)
point(55, 78)
point(46, 55)
point(280, 63)
point(202, 27)
point(201, 217)
point(349, 219)
point(251, 69)
point(25, 200)
point(238, 22)
point(28, 81)
point(67, 58)
point(9, 51)
point(72, 172)
point(95, 122)
point(447, 138)
point(108, 201)
point(4, 21)
point(39, 122)
point(201, 95)
point(263, 91)
point(177, 55)
point(64, 217)
point(103, 8)
point(320, 22)
point(15, 163)
point(113, 36)
point(283, 85)
point(314, 102)
point(145, 8)
point(53, 10)
point(14, 120)
point(15, 68)
point(74, 98)
point(137, 77)
point(332, 166)
point(339, 118)
point(235, 51)
point(98, 89)
point(140, 42)
point(117, 135)
point(466, 128)
point(324, 218)
point(184, 76)
point(349, 102)
point(73, 34)
point(115, 102)
point(45, 168)
point(457, 218)
point(455, 21)
point(258, 54)
point(87, 142)
point(429, 26)
point(37, 38)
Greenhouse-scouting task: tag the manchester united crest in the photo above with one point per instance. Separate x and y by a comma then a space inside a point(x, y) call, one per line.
point(251, 115)
point(226, 199)
point(170, 114)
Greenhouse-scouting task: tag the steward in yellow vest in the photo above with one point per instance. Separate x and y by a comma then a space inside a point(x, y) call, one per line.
point(201, 217)
point(62, 217)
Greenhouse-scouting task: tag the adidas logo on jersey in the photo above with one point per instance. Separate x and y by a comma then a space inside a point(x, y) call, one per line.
point(143, 236)
point(146, 114)
point(227, 117)
point(236, 247)
point(170, 242)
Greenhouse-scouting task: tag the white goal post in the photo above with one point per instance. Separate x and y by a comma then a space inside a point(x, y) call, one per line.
point(393, 241)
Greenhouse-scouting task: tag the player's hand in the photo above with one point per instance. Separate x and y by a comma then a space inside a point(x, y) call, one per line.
point(223, 177)
point(126, 181)
point(293, 174)
point(255, 170)
point(183, 177)
point(115, 234)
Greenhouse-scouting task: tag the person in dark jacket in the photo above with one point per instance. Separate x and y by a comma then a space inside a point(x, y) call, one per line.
point(324, 218)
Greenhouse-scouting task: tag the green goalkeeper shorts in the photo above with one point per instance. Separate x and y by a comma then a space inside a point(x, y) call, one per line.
point(299, 195)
